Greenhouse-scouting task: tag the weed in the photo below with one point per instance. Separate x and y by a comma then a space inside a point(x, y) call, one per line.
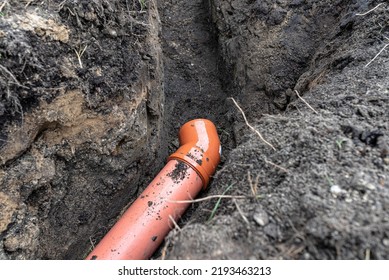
point(329, 180)
point(339, 143)
point(79, 54)
point(218, 203)
point(143, 5)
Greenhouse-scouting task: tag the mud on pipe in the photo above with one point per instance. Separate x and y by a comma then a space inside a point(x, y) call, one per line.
point(142, 228)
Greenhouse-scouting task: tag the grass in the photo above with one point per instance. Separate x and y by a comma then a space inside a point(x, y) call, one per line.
point(339, 143)
point(143, 5)
point(329, 180)
point(218, 203)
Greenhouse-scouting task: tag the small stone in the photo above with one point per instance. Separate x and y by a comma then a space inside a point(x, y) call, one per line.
point(386, 160)
point(362, 181)
point(385, 241)
point(336, 190)
point(261, 218)
point(307, 256)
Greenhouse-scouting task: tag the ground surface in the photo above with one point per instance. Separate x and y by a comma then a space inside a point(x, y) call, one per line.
point(94, 92)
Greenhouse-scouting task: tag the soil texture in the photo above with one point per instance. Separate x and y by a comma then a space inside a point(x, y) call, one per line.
point(323, 191)
point(81, 112)
point(93, 93)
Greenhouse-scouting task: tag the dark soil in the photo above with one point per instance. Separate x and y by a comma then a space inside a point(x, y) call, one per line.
point(324, 192)
point(92, 95)
point(81, 101)
point(193, 86)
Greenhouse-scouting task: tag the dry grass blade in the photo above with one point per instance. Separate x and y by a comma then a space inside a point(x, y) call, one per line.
point(276, 165)
point(2, 5)
point(374, 58)
point(220, 196)
point(253, 185)
point(250, 126)
point(164, 250)
point(92, 243)
point(174, 223)
point(302, 99)
point(369, 11)
point(241, 212)
point(79, 54)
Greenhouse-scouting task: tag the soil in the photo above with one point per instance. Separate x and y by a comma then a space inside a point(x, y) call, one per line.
point(82, 113)
point(92, 94)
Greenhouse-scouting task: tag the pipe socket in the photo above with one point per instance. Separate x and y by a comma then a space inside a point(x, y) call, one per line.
point(200, 148)
point(143, 227)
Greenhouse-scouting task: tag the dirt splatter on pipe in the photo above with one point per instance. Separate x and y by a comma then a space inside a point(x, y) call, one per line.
point(143, 227)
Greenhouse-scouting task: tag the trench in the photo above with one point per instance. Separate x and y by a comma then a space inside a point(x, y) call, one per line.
point(204, 64)
point(262, 71)
point(193, 77)
point(193, 80)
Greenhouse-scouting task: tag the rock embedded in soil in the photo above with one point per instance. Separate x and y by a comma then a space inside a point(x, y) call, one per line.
point(261, 218)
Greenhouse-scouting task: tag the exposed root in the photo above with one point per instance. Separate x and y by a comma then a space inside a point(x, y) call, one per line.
point(174, 223)
point(240, 212)
point(369, 11)
point(364, 14)
point(276, 165)
point(4, 69)
point(164, 250)
point(250, 126)
point(309, 106)
point(374, 58)
point(2, 5)
point(211, 197)
point(253, 184)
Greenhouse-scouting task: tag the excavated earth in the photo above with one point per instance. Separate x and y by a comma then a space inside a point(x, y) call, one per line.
point(92, 94)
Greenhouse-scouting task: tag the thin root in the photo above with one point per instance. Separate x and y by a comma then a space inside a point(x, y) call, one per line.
point(276, 165)
point(374, 58)
point(253, 185)
point(250, 126)
point(2, 5)
point(210, 197)
point(309, 106)
point(369, 11)
point(174, 223)
point(164, 250)
point(12, 76)
point(241, 213)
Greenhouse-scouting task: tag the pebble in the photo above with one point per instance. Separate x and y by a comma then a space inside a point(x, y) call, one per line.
point(261, 218)
point(370, 186)
point(336, 190)
point(385, 241)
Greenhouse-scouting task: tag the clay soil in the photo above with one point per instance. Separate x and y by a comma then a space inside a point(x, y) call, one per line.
point(92, 94)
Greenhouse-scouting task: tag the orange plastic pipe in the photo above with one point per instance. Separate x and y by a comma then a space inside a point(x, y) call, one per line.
point(142, 228)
